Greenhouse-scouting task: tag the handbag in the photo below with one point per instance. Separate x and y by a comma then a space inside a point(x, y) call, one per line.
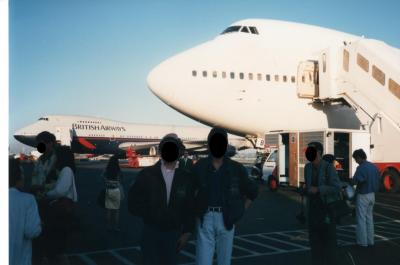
point(338, 208)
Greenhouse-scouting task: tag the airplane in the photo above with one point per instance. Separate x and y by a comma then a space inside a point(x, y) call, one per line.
point(90, 135)
point(261, 76)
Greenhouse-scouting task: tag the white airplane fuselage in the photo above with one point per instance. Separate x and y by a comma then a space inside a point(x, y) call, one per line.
point(230, 86)
point(102, 136)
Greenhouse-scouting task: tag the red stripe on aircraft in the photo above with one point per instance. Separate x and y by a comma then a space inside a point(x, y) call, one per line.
point(86, 143)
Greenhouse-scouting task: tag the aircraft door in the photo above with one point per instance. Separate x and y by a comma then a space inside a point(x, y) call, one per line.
point(307, 79)
point(63, 136)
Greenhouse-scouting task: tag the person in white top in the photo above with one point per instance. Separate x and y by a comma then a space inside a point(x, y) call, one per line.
point(114, 192)
point(24, 220)
point(44, 171)
point(61, 206)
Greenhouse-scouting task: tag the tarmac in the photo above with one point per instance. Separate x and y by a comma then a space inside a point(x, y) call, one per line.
point(269, 232)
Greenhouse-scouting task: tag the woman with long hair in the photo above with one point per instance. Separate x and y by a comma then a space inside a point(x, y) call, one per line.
point(61, 206)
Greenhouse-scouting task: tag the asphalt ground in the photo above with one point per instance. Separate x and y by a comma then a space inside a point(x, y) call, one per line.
point(269, 232)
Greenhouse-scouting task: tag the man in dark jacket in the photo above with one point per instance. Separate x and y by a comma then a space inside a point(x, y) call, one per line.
point(224, 191)
point(185, 162)
point(163, 196)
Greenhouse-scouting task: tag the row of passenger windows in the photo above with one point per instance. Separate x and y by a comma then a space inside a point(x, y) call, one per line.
point(249, 76)
point(376, 72)
point(245, 29)
point(89, 122)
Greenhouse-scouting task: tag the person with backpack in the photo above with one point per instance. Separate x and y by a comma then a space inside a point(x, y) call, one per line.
point(322, 187)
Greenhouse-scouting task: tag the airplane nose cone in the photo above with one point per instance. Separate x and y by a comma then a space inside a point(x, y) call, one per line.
point(161, 82)
point(23, 137)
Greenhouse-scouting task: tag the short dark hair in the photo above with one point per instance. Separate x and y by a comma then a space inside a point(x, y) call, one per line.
point(329, 158)
point(65, 158)
point(14, 171)
point(172, 138)
point(217, 130)
point(359, 153)
point(318, 146)
point(45, 137)
point(112, 169)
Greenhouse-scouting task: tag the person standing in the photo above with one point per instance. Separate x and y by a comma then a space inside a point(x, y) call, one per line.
point(44, 170)
point(62, 199)
point(224, 191)
point(163, 196)
point(114, 192)
point(367, 179)
point(322, 187)
point(24, 221)
point(185, 162)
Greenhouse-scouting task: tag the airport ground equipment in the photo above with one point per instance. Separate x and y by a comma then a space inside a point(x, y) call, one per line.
point(364, 75)
point(291, 146)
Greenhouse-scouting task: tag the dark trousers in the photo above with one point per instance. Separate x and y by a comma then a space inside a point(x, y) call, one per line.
point(322, 239)
point(159, 246)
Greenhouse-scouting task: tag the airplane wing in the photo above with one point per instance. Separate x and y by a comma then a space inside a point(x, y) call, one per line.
point(137, 146)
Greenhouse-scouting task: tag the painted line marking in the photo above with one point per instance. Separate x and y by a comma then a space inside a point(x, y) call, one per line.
point(247, 250)
point(283, 241)
point(390, 228)
point(86, 259)
point(120, 258)
point(188, 254)
point(382, 230)
point(260, 244)
point(387, 205)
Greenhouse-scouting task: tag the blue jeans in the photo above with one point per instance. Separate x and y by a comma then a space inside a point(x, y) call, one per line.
point(365, 219)
point(212, 234)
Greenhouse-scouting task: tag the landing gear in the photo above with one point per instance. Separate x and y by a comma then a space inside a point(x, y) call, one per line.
point(391, 180)
point(272, 183)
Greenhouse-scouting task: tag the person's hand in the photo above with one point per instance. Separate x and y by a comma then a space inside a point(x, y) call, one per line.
point(314, 190)
point(182, 241)
point(247, 203)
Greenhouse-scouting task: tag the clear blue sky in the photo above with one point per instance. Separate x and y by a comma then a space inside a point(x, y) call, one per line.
point(92, 57)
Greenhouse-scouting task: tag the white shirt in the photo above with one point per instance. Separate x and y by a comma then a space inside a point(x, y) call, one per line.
point(24, 225)
point(65, 186)
point(42, 169)
point(168, 175)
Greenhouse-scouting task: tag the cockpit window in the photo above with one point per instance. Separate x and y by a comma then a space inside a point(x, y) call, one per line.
point(43, 119)
point(245, 29)
point(231, 29)
point(253, 30)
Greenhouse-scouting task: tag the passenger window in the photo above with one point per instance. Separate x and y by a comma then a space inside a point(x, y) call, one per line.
point(259, 77)
point(272, 157)
point(363, 62)
point(378, 75)
point(214, 74)
point(284, 78)
point(204, 73)
point(293, 79)
point(346, 56)
point(223, 74)
point(245, 29)
point(232, 75)
point(241, 75)
point(250, 76)
point(394, 88)
point(303, 79)
point(268, 77)
point(253, 30)
point(276, 78)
